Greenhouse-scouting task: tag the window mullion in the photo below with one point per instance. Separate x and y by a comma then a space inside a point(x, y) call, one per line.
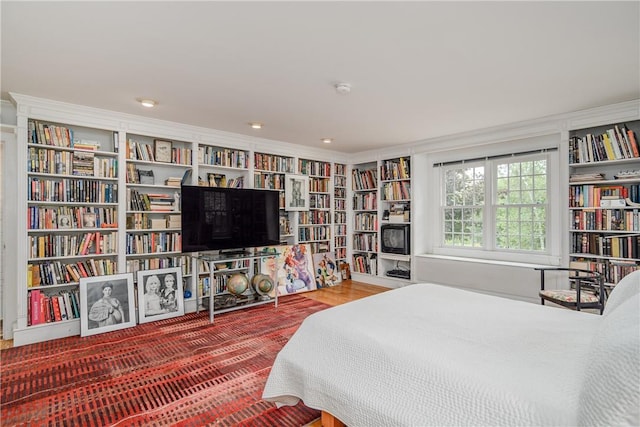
point(489, 205)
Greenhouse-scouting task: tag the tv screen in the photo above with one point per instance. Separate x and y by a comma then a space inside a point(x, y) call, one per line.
point(215, 218)
point(395, 239)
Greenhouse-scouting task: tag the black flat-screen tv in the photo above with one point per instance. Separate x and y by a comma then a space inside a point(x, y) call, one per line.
point(215, 218)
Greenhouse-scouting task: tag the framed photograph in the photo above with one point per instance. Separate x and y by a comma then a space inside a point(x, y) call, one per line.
point(345, 271)
point(106, 304)
point(160, 294)
point(64, 221)
point(162, 150)
point(146, 177)
point(296, 192)
point(88, 220)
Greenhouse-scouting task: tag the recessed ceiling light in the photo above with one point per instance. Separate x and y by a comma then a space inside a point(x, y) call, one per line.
point(342, 88)
point(256, 125)
point(327, 140)
point(149, 103)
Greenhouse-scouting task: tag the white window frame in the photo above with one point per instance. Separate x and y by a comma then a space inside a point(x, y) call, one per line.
point(551, 256)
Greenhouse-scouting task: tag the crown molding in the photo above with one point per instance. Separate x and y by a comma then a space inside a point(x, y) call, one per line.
point(80, 115)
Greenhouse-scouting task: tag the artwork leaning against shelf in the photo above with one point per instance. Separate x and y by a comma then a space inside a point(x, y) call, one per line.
point(160, 294)
point(106, 303)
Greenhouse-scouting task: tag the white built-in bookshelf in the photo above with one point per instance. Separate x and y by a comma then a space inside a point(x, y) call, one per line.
point(101, 193)
point(314, 225)
point(364, 205)
point(604, 199)
point(340, 212)
point(395, 207)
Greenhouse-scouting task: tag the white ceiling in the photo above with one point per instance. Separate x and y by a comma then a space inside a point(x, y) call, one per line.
point(417, 69)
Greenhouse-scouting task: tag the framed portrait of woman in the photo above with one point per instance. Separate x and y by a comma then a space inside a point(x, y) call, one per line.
point(106, 303)
point(160, 294)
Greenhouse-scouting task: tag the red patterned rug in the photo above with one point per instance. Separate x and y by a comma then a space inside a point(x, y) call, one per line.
point(182, 371)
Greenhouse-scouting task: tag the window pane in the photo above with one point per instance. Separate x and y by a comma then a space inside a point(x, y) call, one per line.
point(464, 193)
point(521, 224)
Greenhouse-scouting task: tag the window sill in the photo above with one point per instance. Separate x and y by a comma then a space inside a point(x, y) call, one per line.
point(485, 261)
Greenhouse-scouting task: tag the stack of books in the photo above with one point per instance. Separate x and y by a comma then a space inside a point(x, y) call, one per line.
point(174, 221)
point(173, 181)
point(160, 202)
point(83, 163)
point(86, 144)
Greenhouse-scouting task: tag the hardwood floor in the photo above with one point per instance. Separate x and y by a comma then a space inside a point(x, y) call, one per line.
point(349, 290)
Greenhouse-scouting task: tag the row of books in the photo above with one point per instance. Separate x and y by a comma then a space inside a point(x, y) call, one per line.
point(340, 170)
point(314, 217)
point(397, 190)
point(366, 221)
point(137, 176)
point(339, 181)
point(365, 263)
point(50, 273)
point(589, 196)
point(364, 179)
point(319, 185)
point(273, 163)
point(612, 272)
point(71, 190)
point(268, 181)
point(341, 241)
point(367, 201)
point(341, 253)
point(76, 163)
point(340, 193)
point(314, 233)
point(395, 169)
point(181, 156)
point(340, 230)
point(143, 151)
point(609, 246)
point(48, 134)
point(220, 180)
point(70, 217)
point(149, 243)
point(216, 156)
point(153, 202)
point(367, 242)
point(340, 204)
point(606, 220)
point(319, 201)
point(69, 245)
point(340, 217)
point(143, 221)
point(614, 144)
point(319, 247)
point(43, 308)
point(144, 264)
point(314, 168)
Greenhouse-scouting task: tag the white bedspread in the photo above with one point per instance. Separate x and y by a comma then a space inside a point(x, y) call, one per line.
point(432, 355)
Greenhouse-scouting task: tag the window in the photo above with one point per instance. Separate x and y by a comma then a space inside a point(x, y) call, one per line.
point(498, 205)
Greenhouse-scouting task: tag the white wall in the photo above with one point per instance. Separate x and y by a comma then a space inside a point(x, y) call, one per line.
point(7, 143)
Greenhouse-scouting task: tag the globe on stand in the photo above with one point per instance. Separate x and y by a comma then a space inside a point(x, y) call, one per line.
point(262, 285)
point(237, 284)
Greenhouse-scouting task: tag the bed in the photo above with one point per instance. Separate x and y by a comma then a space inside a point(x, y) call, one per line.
point(427, 354)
